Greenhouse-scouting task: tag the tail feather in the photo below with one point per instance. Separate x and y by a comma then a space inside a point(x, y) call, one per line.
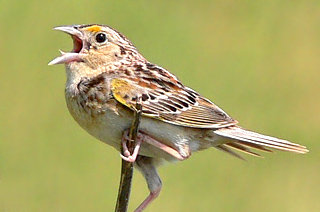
point(255, 146)
point(244, 139)
point(242, 148)
point(224, 148)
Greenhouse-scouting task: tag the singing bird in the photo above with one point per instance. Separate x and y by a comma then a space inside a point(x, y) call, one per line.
point(106, 76)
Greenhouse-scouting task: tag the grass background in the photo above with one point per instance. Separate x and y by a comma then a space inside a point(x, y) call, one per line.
point(258, 60)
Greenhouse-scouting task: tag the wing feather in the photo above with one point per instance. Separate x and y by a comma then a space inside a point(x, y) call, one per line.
point(171, 103)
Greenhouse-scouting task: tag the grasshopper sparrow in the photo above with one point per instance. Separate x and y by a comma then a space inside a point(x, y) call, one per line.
point(106, 75)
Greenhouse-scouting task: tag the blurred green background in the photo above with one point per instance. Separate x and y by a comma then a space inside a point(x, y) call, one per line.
point(258, 60)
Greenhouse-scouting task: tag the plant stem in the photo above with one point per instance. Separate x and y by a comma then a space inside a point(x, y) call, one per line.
point(127, 167)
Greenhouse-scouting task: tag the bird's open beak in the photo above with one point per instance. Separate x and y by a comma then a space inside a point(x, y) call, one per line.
point(78, 39)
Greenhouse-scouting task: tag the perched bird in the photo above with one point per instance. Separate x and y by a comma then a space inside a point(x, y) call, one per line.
point(106, 75)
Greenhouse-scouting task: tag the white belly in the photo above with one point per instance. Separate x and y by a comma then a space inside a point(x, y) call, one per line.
point(108, 126)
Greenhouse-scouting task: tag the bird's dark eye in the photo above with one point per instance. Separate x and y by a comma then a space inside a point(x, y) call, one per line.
point(101, 37)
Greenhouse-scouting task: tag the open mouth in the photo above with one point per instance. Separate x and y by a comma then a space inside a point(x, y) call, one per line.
point(77, 44)
point(75, 55)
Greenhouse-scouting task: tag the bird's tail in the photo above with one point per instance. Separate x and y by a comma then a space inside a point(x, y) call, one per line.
point(244, 140)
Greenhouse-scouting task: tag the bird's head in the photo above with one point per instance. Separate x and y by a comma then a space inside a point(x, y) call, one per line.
point(95, 45)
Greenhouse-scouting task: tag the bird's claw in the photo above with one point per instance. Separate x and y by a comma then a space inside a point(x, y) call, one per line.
point(127, 156)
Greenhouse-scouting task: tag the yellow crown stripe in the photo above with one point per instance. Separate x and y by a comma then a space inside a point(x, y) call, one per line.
point(94, 28)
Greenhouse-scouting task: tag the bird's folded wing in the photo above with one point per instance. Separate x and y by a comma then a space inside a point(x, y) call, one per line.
point(171, 103)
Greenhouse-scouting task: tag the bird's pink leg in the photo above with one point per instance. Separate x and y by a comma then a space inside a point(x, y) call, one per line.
point(163, 147)
point(147, 168)
point(152, 196)
point(141, 137)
